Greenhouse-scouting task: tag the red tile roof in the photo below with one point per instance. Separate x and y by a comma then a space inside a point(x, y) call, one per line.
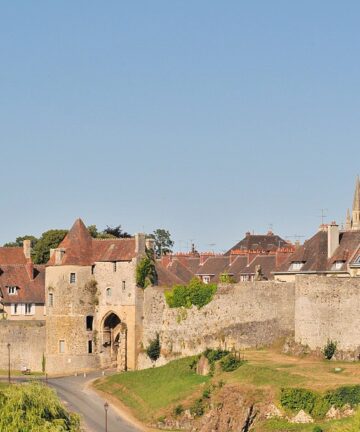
point(30, 290)
point(12, 255)
point(81, 249)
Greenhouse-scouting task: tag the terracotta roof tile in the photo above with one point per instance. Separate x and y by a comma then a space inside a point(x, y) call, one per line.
point(12, 255)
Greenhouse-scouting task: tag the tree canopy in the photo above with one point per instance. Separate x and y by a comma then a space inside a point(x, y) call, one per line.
point(48, 240)
point(163, 242)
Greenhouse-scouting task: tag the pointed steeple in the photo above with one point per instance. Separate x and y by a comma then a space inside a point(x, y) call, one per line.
point(356, 206)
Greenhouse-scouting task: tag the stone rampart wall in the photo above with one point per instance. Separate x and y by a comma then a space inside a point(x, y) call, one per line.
point(27, 344)
point(249, 314)
point(327, 308)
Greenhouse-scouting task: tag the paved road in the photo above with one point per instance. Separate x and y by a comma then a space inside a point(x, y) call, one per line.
point(88, 404)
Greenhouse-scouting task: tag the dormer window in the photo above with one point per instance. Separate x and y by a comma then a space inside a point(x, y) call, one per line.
point(12, 290)
point(206, 279)
point(296, 265)
point(337, 265)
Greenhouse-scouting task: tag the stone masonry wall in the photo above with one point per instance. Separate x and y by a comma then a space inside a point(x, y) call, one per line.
point(327, 308)
point(249, 314)
point(27, 344)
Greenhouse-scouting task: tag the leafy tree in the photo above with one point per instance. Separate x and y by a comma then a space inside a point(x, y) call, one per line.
point(146, 271)
point(329, 349)
point(196, 293)
point(116, 232)
point(93, 231)
point(48, 240)
point(163, 242)
point(19, 241)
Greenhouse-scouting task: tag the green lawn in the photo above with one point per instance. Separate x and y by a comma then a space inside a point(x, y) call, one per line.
point(149, 391)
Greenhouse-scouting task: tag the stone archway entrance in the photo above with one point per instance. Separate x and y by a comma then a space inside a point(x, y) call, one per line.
point(114, 333)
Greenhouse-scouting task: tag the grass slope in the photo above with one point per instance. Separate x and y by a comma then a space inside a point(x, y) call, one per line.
point(148, 391)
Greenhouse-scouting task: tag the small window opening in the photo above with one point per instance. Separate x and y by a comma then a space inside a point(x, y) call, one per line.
point(51, 299)
point(93, 269)
point(114, 266)
point(123, 285)
point(89, 322)
point(62, 346)
point(90, 347)
point(72, 278)
point(108, 292)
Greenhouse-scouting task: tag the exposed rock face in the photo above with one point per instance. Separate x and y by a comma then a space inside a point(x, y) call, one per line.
point(203, 366)
point(233, 412)
point(273, 412)
point(333, 413)
point(302, 417)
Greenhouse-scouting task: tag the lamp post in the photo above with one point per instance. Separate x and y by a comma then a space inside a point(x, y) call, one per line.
point(8, 345)
point(106, 407)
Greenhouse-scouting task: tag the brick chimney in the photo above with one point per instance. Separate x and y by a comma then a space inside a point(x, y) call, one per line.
point(59, 253)
point(30, 270)
point(333, 238)
point(27, 249)
point(140, 244)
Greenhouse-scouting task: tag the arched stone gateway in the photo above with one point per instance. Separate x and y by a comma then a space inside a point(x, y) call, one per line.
point(114, 334)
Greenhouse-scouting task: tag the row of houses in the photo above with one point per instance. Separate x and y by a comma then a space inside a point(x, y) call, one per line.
point(331, 251)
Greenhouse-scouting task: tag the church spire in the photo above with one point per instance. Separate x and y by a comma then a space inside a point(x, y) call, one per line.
point(356, 206)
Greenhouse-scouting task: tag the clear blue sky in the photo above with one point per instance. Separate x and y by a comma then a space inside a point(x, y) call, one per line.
point(208, 118)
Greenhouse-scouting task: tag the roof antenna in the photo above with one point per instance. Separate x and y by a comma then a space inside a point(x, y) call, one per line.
point(323, 215)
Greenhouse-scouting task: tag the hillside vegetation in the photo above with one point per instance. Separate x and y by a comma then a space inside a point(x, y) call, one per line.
point(167, 391)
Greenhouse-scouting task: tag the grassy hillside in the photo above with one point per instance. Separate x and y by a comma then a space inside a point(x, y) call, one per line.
point(155, 392)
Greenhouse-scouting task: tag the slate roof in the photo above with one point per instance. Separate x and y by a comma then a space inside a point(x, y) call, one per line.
point(180, 270)
point(267, 242)
point(29, 290)
point(213, 266)
point(81, 249)
point(267, 263)
point(166, 278)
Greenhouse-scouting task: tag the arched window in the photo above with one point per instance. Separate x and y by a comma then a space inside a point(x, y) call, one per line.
point(108, 292)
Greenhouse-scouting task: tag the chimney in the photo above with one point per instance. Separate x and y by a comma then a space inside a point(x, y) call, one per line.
point(30, 270)
point(333, 238)
point(59, 253)
point(27, 249)
point(140, 244)
point(150, 243)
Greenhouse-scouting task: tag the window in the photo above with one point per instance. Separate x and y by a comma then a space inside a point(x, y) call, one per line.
point(337, 265)
point(296, 265)
point(14, 309)
point(206, 279)
point(123, 285)
point(89, 322)
point(61, 346)
point(90, 349)
point(51, 299)
point(93, 269)
point(72, 278)
point(114, 266)
point(12, 290)
point(29, 309)
point(108, 292)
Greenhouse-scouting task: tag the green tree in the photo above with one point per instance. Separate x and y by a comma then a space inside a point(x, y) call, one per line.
point(48, 240)
point(163, 242)
point(116, 232)
point(19, 241)
point(146, 273)
point(154, 348)
point(95, 233)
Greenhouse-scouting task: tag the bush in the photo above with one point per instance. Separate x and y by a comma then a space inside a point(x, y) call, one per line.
point(198, 408)
point(178, 410)
point(317, 429)
point(226, 278)
point(206, 393)
point(196, 293)
point(215, 355)
point(146, 271)
point(230, 363)
point(154, 348)
point(296, 399)
point(344, 395)
point(329, 349)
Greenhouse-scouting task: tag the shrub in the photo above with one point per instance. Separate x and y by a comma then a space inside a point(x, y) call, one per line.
point(344, 395)
point(198, 408)
point(214, 355)
point(296, 399)
point(206, 393)
point(196, 293)
point(226, 278)
point(321, 407)
point(329, 349)
point(230, 363)
point(154, 348)
point(317, 429)
point(178, 410)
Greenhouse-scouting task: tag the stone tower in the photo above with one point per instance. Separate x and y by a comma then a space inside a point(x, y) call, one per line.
point(355, 225)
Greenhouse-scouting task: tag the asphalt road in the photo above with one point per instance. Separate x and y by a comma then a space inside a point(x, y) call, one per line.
point(81, 399)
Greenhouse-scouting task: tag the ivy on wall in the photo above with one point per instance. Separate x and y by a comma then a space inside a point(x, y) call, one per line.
point(146, 271)
point(196, 293)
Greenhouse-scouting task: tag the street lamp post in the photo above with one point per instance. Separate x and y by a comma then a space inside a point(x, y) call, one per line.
point(9, 379)
point(106, 407)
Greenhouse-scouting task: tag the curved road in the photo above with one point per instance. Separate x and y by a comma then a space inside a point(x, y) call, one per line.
point(77, 395)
